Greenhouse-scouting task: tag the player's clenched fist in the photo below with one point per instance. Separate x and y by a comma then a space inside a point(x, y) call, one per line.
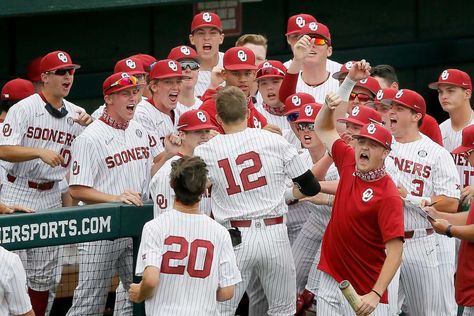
point(216, 77)
point(83, 119)
point(332, 100)
point(303, 47)
point(50, 157)
point(359, 70)
point(130, 198)
point(134, 293)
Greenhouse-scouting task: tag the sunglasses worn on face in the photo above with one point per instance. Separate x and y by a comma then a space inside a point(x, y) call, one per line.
point(124, 82)
point(191, 64)
point(361, 96)
point(292, 116)
point(63, 71)
point(318, 41)
point(309, 126)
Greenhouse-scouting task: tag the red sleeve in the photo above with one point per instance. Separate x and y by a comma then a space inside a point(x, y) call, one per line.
point(430, 128)
point(288, 86)
point(390, 216)
point(210, 107)
point(342, 154)
point(208, 94)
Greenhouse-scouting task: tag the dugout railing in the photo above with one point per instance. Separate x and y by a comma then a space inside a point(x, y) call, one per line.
point(74, 225)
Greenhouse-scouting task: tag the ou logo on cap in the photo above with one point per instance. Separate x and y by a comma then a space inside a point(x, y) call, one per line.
point(131, 64)
point(349, 64)
point(313, 26)
point(367, 195)
point(300, 21)
point(399, 94)
point(201, 116)
point(363, 81)
point(172, 65)
point(371, 129)
point(445, 75)
point(355, 111)
point(125, 75)
point(379, 95)
point(266, 65)
point(207, 17)
point(308, 110)
point(62, 57)
point(242, 55)
point(296, 100)
point(185, 50)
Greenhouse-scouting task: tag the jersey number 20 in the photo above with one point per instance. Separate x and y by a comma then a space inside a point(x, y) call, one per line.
point(185, 251)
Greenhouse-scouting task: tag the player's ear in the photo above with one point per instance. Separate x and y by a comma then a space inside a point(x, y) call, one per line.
point(468, 93)
point(385, 154)
point(191, 39)
point(107, 99)
point(44, 77)
point(221, 38)
point(218, 119)
point(329, 51)
point(153, 86)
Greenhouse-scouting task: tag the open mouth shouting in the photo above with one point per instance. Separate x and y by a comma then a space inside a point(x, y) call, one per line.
point(173, 97)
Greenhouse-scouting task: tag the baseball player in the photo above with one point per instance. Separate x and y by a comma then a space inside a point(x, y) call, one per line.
point(386, 76)
point(427, 172)
point(111, 163)
point(239, 71)
point(459, 225)
point(194, 128)
point(294, 27)
point(367, 254)
point(308, 71)
point(14, 299)
point(206, 35)
point(37, 136)
point(205, 272)
point(189, 61)
point(247, 169)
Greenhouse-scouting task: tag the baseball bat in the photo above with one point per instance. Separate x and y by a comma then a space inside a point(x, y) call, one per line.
point(350, 294)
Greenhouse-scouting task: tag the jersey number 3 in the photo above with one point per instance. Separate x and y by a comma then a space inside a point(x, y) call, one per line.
point(244, 174)
point(185, 251)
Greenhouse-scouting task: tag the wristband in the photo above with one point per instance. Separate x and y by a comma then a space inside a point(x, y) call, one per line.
point(417, 199)
point(380, 296)
point(345, 89)
point(448, 231)
point(289, 197)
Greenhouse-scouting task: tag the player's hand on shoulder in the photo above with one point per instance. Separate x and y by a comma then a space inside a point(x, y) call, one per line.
point(368, 303)
point(272, 128)
point(134, 293)
point(130, 198)
point(359, 70)
point(216, 77)
point(302, 47)
point(50, 157)
point(83, 118)
point(332, 100)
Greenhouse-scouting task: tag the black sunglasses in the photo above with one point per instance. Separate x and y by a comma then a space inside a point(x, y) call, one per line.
point(62, 71)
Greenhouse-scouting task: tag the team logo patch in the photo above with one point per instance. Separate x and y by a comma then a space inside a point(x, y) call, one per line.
point(363, 81)
point(152, 141)
point(422, 153)
point(70, 121)
point(367, 195)
point(349, 65)
point(256, 123)
point(296, 100)
point(125, 75)
point(207, 17)
point(266, 65)
point(76, 168)
point(355, 111)
point(138, 132)
point(185, 50)
point(308, 110)
point(399, 94)
point(371, 129)
point(445, 75)
point(379, 95)
point(130, 64)
point(300, 21)
point(172, 65)
point(7, 130)
point(242, 55)
point(201, 116)
point(62, 57)
point(313, 26)
point(161, 201)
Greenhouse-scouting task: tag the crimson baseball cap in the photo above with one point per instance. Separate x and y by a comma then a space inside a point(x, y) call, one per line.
point(206, 19)
point(130, 65)
point(467, 142)
point(317, 28)
point(295, 101)
point(195, 120)
point(308, 112)
point(370, 84)
point(385, 96)
point(376, 133)
point(342, 73)
point(239, 58)
point(361, 115)
point(454, 77)
point(271, 69)
point(147, 60)
point(17, 89)
point(410, 99)
point(119, 81)
point(297, 22)
point(33, 72)
point(56, 60)
point(183, 52)
point(166, 68)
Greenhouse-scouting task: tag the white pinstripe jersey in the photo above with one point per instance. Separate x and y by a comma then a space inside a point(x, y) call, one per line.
point(248, 171)
point(331, 65)
point(318, 92)
point(451, 140)
point(195, 258)
point(29, 124)
point(163, 195)
point(204, 78)
point(14, 299)
point(181, 108)
point(112, 160)
point(425, 169)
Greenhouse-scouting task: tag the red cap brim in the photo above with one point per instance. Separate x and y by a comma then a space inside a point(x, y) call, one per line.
point(372, 138)
point(199, 127)
point(241, 67)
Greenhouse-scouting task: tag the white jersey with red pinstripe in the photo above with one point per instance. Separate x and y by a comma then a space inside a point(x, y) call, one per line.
point(188, 284)
point(181, 108)
point(248, 171)
point(318, 92)
point(204, 78)
point(163, 195)
point(451, 140)
point(331, 65)
point(14, 299)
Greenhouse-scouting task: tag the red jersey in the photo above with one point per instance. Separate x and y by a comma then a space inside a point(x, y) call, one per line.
point(255, 120)
point(465, 272)
point(354, 242)
point(430, 128)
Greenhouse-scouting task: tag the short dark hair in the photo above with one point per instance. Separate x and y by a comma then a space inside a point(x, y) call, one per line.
point(188, 179)
point(231, 105)
point(385, 72)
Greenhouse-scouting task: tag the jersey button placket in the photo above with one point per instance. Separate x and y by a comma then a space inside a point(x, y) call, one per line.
point(258, 224)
